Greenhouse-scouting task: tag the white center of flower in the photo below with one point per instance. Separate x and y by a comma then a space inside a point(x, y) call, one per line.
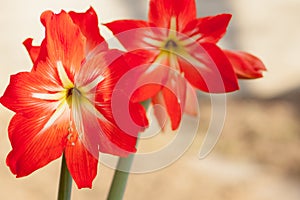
point(77, 99)
point(174, 45)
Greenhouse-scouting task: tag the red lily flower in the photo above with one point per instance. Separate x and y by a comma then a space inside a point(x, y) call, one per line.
point(64, 103)
point(174, 37)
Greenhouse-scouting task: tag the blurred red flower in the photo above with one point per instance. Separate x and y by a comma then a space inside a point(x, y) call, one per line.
point(174, 37)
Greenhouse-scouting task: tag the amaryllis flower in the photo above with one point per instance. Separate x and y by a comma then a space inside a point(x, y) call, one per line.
point(174, 37)
point(64, 104)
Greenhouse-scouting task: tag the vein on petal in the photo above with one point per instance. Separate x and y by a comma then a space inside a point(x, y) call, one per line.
point(173, 27)
point(77, 114)
point(155, 63)
point(48, 96)
point(153, 42)
point(193, 61)
point(57, 113)
point(190, 40)
point(66, 82)
point(92, 84)
point(79, 105)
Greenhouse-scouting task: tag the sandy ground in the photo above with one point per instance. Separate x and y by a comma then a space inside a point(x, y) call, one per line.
point(257, 156)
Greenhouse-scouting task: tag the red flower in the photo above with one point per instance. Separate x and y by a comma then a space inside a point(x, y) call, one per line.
point(64, 103)
point(173, 36)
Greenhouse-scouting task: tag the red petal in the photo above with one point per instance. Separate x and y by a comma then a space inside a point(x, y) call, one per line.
point(148, 84)
point(129, 117)
point(144, 85)
point(138, 114)
point(174, 93)
point(112, 66)
point(32, 50)
point(208, 29)
point(125, 141)
point(245, 65)
point(169, 101)
point(81, 164)
point(102, 135)
point(64, 41)
point(145, 92)
point(18, 96)
point(33, 148)
point(88, 23)
point(161, 12)
point(130, 33)
point(173, 107)
point(36, 52)
point(208, 69)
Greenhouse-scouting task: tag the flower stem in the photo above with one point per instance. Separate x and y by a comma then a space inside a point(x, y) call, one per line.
point(65, 182)
point(118, 185)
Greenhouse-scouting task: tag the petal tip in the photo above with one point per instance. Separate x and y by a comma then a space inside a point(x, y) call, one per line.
point(91, 11)
point(46, 15)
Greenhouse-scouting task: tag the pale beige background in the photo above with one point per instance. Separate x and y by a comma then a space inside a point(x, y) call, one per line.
point(257, 156)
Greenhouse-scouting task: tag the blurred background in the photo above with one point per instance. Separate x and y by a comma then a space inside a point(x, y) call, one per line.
point(257, 156)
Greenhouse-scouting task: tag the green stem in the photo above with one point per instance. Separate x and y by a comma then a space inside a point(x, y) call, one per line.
point(65, 182)
point(118, 185)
